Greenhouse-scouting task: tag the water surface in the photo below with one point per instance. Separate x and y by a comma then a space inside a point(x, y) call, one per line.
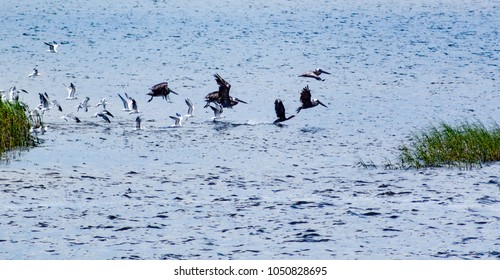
point(242, 188)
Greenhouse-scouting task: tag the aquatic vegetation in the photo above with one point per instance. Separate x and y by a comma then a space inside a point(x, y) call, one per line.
point(464, 145)
point(14, 127)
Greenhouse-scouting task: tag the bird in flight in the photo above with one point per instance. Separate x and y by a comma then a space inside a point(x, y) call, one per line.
point(307, 101)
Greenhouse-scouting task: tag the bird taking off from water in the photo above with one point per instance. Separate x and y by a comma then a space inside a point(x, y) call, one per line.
point(71, 91)
point(280, 112)
point(222, 96)
point(52, 46)
point(190, 108)
point(162, 90)
point(307, 101)
point(129, 104)
point(217, 111)
point(315, 74)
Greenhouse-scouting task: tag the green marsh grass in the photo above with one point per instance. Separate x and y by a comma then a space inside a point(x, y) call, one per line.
point(464, 145)
point(14, 127)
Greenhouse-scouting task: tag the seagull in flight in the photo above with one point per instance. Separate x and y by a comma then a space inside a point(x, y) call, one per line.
point(84, 105)
point(217, 111)
point(52, 47)
point(36, 121)
point(46, 105)
point(190, 108)
point(102, 103)
point(104, 115)
point(179, 120)
point(71, 116)
point(71, 91)
point(314, 74)
point(129, 104)
point(14, 94)
point(280, 112)
point(307, 101)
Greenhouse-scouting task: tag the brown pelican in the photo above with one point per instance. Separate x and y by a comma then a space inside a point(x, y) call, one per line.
point(307, 102)
point(222, 95)
point(162, 90)
point(280, 112)
point(314, 74)
point(52, 47)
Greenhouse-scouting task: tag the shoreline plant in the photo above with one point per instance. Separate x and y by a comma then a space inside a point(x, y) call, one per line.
point(464, 145)
point(14, 128)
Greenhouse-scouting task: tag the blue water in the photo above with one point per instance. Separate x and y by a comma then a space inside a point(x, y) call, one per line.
point(241, 187)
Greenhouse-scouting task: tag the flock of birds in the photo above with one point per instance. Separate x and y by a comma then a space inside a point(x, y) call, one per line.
point(217, 101)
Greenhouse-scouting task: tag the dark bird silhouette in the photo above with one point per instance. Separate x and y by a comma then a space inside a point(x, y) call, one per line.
point(222, 95)
point(162, 90)
point(307, 101)
point(280, 112)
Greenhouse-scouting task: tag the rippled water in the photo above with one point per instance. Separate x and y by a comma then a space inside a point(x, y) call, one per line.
point(243, 188)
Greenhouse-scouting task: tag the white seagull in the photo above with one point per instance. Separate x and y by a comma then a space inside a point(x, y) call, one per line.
point(217, 111)
point(179, 120)
point(72, 117)
point(190, 108)
point(14, 94)
point(52, 47)
point(129, 104)
point(35, 73)
point(71, 91)
point(84, 105)
point(56, 104)
point(102, 103)
point(45, 105)
point(36, 121)
point(104, 115)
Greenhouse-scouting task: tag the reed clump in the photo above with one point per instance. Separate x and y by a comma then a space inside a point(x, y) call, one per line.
point(14, 127)
point(464, 145)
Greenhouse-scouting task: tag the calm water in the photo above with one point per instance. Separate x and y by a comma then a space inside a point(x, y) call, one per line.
point(243, 188)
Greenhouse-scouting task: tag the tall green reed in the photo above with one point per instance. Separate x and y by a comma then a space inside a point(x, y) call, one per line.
point(14, 127)
point(464, 145)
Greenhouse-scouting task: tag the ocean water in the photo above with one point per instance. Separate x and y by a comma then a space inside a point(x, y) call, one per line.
point(241, 187)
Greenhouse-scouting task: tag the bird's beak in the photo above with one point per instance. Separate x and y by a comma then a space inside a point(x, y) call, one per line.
point(322, 104)
point(322, 71)
point(174, 92)
point(242, 101)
